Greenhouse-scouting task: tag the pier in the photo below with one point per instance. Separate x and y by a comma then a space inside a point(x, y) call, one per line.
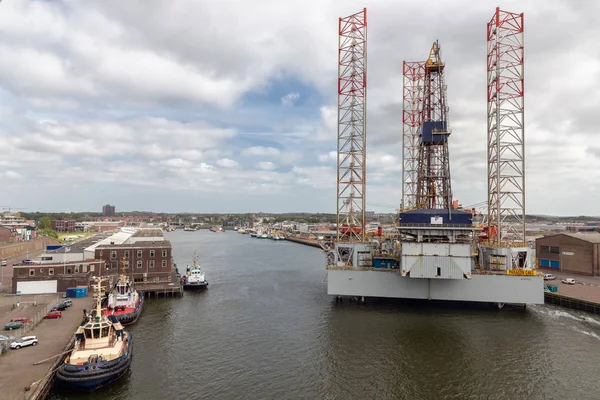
point(304, 241)
point(151, 290)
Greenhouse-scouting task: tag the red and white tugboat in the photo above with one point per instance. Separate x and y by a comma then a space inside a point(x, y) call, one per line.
point(124, 302)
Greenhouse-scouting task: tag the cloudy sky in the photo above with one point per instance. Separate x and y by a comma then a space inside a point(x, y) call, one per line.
point(230, 105)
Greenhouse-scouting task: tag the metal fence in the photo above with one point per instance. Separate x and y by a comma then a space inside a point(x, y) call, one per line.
point(36, 319)
point(48, 302)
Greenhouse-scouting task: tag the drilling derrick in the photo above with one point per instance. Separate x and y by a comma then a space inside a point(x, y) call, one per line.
point(352, 92)
point(433, 174)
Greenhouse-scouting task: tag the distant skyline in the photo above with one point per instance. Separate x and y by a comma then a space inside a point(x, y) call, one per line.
point(140, 105)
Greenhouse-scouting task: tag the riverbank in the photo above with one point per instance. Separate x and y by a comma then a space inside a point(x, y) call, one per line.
point(21, 380)
point(304, 241)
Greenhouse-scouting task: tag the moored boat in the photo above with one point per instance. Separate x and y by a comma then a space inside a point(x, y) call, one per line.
point(124, 302)
point(194, 278)
point(101, 354)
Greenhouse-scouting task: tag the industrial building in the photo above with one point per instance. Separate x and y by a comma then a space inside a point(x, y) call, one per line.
point(63, 225)
point(53, 277)
point(574, 253)
point(144, 253)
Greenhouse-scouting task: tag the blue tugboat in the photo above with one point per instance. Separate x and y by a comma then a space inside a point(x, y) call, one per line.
point(102, 352)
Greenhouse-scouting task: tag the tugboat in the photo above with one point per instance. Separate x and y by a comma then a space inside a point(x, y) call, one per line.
point(102, 352)
point(194, 277)
point(124, 302)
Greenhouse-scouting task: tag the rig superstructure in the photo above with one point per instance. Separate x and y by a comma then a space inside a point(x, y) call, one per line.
point(438, 252)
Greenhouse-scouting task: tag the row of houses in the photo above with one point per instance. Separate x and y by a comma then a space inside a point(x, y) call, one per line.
point(14, 228)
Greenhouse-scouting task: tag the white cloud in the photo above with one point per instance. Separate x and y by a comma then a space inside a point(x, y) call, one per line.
point(266, 165)
point(227, 163)
point(289, 99)
point(326, 129)
point(100, 93)
point(318, 177)
point(12, 175)
point(260, 151)
point(331, 156)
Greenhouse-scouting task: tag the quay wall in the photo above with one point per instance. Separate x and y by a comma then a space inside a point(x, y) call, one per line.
point(16, 249)
point(305, 241)
point(572, 302)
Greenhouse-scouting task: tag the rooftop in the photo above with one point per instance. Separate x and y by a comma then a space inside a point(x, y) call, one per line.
point(118, 238)
point(156, 243)
point(149, 232)
point(588, 237)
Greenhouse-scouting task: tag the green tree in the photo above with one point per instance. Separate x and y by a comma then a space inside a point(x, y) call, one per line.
point(49, 232)
point(44, 223)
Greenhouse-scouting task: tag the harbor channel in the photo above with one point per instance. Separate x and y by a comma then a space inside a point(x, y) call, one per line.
point(266, 329)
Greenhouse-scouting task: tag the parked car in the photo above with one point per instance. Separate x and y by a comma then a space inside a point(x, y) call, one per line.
point(66, 302)
point(13, 325)
point(569, 281)
point(24, 341)
point(53, 314)
point(24, 320)
point(3, 263)
point(60, 307)
point(549, 277)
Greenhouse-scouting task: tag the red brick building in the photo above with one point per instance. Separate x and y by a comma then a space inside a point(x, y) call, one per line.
point(63, 225)
point(6, 235)
point(146, 256)
point(54, 277)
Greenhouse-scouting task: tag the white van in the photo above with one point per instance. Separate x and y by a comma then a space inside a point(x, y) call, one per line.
point(549, 277)
point(3, 263)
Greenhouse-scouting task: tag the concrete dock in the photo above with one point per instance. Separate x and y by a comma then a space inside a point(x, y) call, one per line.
point(304, 241)
point(583, 295)
point(16, 366)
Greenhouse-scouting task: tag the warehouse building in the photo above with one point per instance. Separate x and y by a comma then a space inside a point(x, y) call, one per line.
point(574, 253)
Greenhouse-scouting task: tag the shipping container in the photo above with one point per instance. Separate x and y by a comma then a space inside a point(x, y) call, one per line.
point(72, 292)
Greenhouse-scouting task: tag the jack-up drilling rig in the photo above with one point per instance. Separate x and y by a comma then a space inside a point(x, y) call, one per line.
point(437, 252)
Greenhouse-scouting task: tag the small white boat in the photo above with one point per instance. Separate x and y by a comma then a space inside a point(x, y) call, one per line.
point(194, 278)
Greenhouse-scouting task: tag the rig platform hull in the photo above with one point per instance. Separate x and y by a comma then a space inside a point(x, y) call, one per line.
point(480, 288)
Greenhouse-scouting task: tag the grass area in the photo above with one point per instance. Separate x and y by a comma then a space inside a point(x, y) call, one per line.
point(75, 235)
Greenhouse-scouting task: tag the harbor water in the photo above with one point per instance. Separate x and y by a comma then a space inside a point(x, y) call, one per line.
point(266, 329)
